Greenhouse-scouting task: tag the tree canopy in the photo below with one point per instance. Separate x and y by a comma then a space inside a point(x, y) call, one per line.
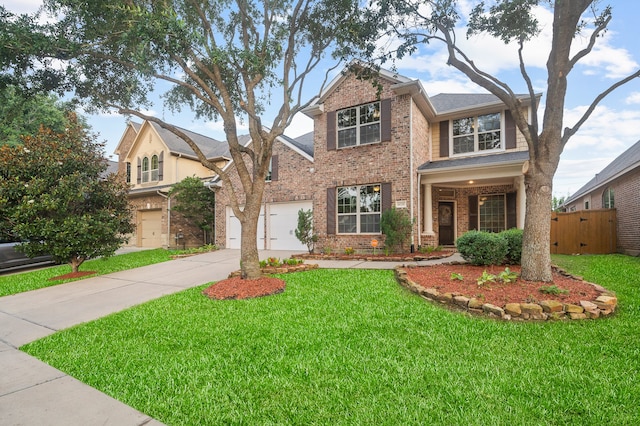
point(55, 198)
point(196, 203)
point(230, 60)
point(414, 22)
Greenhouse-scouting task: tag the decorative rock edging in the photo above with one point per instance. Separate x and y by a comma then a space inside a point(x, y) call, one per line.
point(372, 258)
point(284, 269)
point(604, 305)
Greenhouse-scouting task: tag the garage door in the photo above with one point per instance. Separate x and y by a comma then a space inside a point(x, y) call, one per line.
point(150, 229)
point(234, 230)
point(283, 221)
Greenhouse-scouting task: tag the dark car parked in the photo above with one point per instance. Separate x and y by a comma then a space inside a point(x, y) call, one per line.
point(11, 259)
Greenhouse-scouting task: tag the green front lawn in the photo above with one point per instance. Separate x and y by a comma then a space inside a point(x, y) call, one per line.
point(353, 347)
point(32, 280)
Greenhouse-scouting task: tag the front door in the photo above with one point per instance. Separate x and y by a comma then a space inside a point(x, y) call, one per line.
point(445, 224)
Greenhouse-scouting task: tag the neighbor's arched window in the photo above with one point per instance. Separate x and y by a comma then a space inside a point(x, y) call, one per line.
point(154, 168)
point(145, 169)
point(608, 199)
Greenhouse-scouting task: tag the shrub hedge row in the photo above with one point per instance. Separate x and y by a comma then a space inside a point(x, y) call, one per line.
point(488, 248)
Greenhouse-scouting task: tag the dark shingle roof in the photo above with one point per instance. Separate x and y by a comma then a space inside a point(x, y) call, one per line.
point(303, 142)
point(628, 159)
point(450, 102)
point(481, 160)
point(211, 148)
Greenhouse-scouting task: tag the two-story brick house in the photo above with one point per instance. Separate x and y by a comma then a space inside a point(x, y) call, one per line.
point(453, 161)
point(153, 160)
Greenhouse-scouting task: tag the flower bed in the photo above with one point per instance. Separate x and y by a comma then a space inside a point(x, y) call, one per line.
point(434, 283)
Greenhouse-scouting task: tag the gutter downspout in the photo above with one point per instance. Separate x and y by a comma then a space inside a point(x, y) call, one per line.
point(411, 176)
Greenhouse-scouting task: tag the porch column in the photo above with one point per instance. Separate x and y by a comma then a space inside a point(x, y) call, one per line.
point(522, 202)
point(427, 210)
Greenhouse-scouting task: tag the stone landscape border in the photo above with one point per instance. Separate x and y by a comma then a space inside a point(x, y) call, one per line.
point(604, 305)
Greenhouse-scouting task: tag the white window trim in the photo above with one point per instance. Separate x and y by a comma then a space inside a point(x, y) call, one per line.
point(504, 201)
point(144, 172)
point(155, 171)
point(358, 213)
point(358, 126)
point(476, 143)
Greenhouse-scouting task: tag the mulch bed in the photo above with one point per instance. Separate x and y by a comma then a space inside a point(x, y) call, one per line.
point(237, 288)
point(499, 294)
point(71, 275)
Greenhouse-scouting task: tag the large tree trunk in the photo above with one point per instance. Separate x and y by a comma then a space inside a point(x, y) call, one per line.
point(536, 255)
point(249, 260)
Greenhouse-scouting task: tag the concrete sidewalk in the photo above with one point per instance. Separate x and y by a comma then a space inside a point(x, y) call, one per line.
point(33, 393)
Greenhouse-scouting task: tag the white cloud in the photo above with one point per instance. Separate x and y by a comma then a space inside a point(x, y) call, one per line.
point(22, 6)
point(607, 130)
point(633, 98)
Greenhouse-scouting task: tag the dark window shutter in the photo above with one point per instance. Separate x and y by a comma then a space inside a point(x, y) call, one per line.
point(385, 120)
point(386, 196)
point(161, 166)
point(331, 211)
point(139, 177)
point(274, 167)
point(509, 130)
point(512, 217)
point(444, 139)
point(331, 131)
point(473, 212)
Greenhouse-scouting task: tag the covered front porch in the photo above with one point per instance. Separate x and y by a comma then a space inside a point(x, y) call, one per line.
point(483, 193)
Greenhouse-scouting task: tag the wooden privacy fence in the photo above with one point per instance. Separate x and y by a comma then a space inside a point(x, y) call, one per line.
point(583, 232)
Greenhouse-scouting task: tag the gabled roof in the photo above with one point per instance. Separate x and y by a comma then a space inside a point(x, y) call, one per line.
point(211, 148)
point(303, 143)
point(452, 103)
point(475, 161)
point(628, 160)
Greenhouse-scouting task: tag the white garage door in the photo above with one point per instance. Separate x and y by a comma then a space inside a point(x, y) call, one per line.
point(150, 229)
point(283, 221)
point(234, 230)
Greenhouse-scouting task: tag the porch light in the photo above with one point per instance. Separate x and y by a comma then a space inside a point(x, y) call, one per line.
point(470, 182)
point(376, 188)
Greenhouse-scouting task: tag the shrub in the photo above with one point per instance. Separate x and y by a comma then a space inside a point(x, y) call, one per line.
point(482, 248)
point(396, 226)
point(514, 245)
point(304, 231)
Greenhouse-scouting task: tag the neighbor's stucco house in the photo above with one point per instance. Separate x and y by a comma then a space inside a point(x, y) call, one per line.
point(153, 160)
point(616, 186)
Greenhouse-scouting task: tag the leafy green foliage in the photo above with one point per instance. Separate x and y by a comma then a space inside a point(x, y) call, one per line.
point(508, 276)
point(304, 231)
point(196, 203)
point(513, 238)
point(553, 289)
point(396, 226)
point(486, 278)
point(456, 276)
point(482, 248)
point(54, 197)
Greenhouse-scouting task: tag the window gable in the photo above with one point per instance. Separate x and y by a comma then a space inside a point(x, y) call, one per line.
point(475, 134)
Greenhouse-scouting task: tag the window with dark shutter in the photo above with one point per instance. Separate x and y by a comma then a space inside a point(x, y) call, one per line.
point(386, 196)
point(161, 166)
point(473, 212)
point(385, 120)
point(331, 211)
point(512, 215)
point(331, 131)
point(509, 130)
point(444, 138)
point(274, 167)
point(139, 177)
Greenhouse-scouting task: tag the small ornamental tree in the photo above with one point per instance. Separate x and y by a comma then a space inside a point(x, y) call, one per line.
point(54, 197)
point(304, 231)
point(396, 226)
point(196, 203)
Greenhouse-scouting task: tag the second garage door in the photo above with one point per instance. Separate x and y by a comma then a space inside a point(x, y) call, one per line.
point(282, 224)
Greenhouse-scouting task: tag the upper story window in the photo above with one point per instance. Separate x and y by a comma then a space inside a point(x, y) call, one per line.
point(359, 209)
point(154, 168)
point(128, 172)
point(608, 199)
point(145, 169)
point(476, 134)
point(359, 125)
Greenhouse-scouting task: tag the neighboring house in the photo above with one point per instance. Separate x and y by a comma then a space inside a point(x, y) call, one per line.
point(288, 189)
point(616, 186)
point(452, 161)
point(153, 159)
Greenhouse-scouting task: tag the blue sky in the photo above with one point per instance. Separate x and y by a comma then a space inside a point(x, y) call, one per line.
point(614, 126)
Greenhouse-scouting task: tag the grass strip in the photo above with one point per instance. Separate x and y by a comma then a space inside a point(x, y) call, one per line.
point(33, 280)
point(352, 347)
